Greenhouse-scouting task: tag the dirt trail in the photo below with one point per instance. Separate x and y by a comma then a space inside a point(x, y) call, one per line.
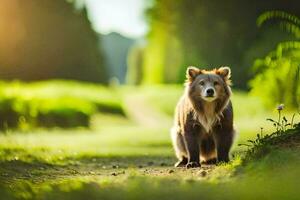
point(48, 173)
point(142, 113)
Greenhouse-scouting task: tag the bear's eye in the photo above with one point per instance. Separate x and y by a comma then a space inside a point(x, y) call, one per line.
point(201, 83)
point(216, 83)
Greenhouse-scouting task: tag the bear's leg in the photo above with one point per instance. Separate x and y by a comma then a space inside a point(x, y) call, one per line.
point(179, 148)
point(223, 139)
point(191, 139)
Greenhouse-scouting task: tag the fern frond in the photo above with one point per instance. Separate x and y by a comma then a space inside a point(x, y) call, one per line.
point(291, 28)
point(290, 45)
point(281, 15)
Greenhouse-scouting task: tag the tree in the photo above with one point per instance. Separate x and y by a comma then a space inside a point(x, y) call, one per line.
point(42, 39)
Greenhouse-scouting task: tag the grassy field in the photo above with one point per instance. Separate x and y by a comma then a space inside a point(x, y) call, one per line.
point(130, 157)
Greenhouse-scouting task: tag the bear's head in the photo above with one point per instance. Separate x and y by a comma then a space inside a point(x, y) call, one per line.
point(208, 85)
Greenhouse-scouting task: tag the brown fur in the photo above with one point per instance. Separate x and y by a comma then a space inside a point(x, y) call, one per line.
point(203, 127)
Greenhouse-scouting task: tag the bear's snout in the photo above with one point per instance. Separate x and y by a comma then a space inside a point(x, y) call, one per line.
point(210, 92)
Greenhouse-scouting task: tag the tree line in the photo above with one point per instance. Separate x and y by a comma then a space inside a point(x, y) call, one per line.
point(209, 34)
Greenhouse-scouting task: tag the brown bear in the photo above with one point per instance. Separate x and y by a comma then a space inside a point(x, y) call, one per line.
point(203, 126)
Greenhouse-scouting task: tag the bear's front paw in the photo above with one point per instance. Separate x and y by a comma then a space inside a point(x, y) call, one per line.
point(193, 165)
point(180, 164)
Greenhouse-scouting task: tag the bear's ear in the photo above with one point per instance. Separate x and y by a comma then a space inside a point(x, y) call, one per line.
point(225, 72)
point(192, 73)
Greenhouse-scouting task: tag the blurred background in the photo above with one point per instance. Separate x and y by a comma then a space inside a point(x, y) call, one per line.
point(62, 61)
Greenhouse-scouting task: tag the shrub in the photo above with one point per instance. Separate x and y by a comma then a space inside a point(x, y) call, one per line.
point(8, 116)
point(54, 104)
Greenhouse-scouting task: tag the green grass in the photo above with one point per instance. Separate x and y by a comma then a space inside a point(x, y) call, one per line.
point(123, 158)
point(273, 177)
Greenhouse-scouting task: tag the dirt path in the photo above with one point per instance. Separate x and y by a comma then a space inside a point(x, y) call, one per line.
point(141, 112)
point(38, 173)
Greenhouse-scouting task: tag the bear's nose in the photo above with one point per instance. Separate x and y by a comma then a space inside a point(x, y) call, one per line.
point(210, 92)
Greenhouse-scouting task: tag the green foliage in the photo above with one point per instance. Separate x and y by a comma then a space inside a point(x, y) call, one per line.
point(54, 103)
point(49, 39)
point(286, 133)
point(163, 54)
point(277, 75)
point(208, 34)
point(288, 22)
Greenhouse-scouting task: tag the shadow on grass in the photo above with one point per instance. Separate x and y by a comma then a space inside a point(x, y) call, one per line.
point(148, 188)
